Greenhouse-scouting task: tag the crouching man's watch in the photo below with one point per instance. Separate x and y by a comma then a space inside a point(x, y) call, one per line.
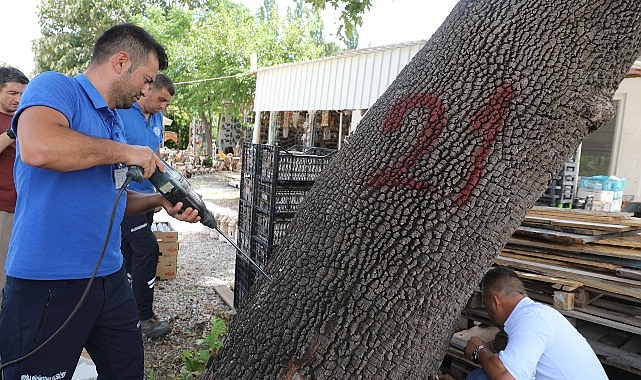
point(10, 133)
point(475, 353)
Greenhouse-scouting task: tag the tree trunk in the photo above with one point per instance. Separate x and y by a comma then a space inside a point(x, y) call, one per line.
point(394, 236)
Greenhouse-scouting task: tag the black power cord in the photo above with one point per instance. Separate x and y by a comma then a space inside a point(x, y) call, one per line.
point(132, 174)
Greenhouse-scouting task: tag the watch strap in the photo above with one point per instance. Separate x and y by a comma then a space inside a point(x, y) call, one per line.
point(475, 352)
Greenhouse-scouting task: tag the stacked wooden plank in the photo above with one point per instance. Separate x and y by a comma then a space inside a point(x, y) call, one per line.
point(600, 250)
point(588, 265)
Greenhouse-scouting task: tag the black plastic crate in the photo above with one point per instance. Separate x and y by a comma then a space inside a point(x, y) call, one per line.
point(281, 229)
point(285, 200)
point(561, 188)
point(270, 229)
point(246, 187)
point(262, 224)
point(555, 198)
point(297, 168)
point(560, 191)
point(244, 277)
point(567, 191)
point(277, 164)
point(244, 239)
point(569, 167)
point(260, 250)
point(274, 182)
point(248, 158)
point(244, 215)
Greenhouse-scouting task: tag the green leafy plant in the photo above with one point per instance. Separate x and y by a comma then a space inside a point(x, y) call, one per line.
point(206, 346)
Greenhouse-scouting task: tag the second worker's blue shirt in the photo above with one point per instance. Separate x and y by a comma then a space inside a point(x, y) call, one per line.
point(139, 132)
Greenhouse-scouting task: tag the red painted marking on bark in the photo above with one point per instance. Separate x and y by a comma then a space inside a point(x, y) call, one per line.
point(430, 129)
point(486, 124)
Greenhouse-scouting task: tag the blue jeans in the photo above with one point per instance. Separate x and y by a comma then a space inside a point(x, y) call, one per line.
point(106, 325)
point(477, 374)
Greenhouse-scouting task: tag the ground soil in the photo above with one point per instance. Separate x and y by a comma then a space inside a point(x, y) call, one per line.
point(189, 301)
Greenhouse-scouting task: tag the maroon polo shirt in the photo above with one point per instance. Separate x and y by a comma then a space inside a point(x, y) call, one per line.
point(8, 194)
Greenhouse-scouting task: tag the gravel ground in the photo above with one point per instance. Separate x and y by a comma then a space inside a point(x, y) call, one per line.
point(189, 301)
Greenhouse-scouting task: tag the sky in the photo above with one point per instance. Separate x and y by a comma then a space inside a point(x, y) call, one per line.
point(387, 22)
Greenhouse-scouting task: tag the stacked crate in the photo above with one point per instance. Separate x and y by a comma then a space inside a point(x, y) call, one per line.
point(168, 247)
point(274, 181)
point(562, 188)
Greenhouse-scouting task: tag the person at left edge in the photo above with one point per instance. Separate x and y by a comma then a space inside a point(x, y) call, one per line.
point(12, 84)
point(70, 161)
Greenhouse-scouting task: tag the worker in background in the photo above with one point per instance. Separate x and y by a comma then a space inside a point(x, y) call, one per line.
point(64, 257)
point(542, 344)
point(12, 84)
point(144, 126)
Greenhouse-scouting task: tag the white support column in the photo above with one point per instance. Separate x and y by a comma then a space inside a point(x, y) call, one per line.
point(256, 135)
point(272, 128)
point(340, 128)
point(356, 118)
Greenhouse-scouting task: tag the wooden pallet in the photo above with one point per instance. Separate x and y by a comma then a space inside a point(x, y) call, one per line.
point(585, 264)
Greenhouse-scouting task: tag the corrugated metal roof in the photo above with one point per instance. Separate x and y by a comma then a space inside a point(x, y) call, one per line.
point(354, 79)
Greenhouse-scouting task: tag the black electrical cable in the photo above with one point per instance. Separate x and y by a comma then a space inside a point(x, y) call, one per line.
point(130, 176)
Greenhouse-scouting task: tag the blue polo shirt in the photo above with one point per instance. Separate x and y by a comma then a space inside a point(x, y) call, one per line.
point(62, 218)
point(140, 132)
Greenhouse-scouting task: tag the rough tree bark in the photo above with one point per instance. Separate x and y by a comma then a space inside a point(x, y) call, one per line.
point(393, 237)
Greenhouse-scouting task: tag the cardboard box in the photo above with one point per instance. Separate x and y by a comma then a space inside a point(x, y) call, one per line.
point(168, 248)
point(164, 232)
point(597, 195)
point(167, 267)
point(601, 182)
point(614, 206)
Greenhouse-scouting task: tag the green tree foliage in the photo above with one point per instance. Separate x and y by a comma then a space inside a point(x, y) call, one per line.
point(209, 42)
point(351, 17)
point(69, 29)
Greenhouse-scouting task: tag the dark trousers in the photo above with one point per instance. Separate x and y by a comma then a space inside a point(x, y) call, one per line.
point(140, 250)
point(106, 324)
point(477, 374)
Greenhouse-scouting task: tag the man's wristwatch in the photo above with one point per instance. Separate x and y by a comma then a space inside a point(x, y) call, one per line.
point(10, 133)
point(475, 353)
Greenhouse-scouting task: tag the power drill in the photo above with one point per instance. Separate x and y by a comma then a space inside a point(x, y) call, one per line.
point(175, 188)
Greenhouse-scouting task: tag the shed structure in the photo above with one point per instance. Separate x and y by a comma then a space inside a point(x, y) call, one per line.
point(319, 102)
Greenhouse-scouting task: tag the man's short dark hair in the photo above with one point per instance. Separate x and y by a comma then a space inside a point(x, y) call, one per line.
point(163, 81)
point(502, 280)
point(11, 74)
point(133, 40)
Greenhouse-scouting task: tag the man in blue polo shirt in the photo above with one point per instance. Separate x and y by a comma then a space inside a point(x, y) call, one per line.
point(144, 126)
point(66, 287)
